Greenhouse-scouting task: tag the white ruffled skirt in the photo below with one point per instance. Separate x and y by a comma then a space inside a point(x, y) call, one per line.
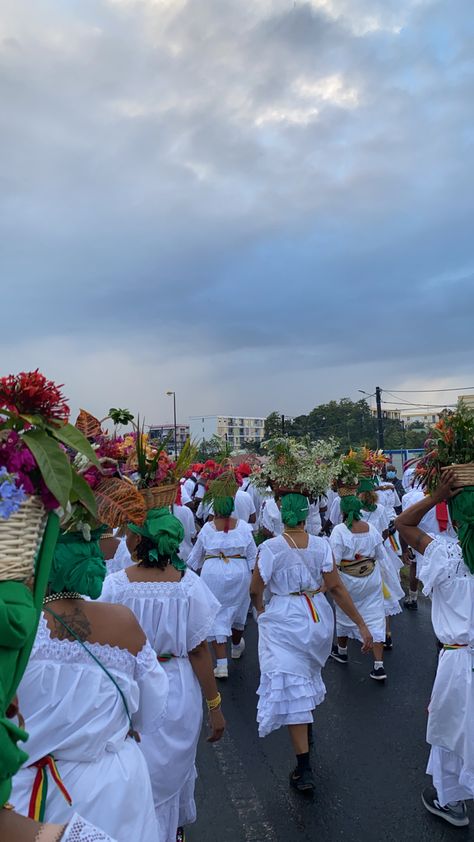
point(292, 649)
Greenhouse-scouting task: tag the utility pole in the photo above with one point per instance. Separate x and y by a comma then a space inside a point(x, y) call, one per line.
point(283, 425)
point(378, 401)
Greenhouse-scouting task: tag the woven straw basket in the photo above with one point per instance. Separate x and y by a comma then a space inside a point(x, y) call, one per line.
point(20, 539)
point(464, 473)
point(346, 490)
point(159, 496)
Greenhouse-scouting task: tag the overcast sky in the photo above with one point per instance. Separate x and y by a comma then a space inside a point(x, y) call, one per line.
point(262, 204)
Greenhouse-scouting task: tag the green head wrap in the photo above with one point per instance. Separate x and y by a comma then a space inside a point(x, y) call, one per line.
point(78, 565)
point(365, 484)
point(20, 610)
point(461, 509)
point(223, 506)
point(166, 533)
point(294, 509)
point(351, 506)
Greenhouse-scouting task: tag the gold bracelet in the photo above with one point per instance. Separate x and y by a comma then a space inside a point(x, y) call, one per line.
point(213, 704)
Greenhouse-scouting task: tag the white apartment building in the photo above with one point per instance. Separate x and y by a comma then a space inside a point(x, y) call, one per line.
point(234, 429)
point(163, 432)
point(468, 400)
point(424, 416)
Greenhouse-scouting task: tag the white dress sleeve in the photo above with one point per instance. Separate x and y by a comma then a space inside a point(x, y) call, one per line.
point(153, 685)
point(336, 543)
point(196, 558)
point(433, 566)
point(202, 610)
point(251, 551)
point(80, 830)
point(328, 559)
point(265, 562)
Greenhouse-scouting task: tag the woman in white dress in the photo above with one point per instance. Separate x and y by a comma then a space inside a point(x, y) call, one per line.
point(296, 629)
point(362, 561)
point(177, 611)
point(375, 514)
point(92, 682)
point(225, 551)
point(446, 570)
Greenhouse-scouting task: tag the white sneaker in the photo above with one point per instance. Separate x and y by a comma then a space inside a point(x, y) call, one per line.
point(237, 651)
point(221, 671)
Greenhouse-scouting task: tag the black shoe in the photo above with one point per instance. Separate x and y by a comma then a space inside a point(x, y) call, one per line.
point(341, 659)
point(302, 780)
point(388, 642)
point(378, 674)
point(455, 814)
point(411, 604)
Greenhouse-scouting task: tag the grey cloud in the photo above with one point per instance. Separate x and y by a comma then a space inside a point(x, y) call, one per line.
point(231, 179)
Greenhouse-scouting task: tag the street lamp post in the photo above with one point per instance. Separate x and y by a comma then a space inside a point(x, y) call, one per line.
point(174, 424)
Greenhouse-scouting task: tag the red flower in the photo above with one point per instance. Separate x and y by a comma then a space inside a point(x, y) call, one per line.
point(30, 393)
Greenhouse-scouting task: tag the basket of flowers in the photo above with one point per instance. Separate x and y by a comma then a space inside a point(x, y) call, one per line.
point(450, 446)
point(36, 476)
point(350, 468)
point(157, 475)
point(297, 466)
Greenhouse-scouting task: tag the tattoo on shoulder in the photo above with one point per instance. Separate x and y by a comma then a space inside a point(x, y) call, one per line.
point(77, 622)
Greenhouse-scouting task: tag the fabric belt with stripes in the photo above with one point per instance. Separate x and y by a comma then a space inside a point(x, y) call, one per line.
point(39, 791)
point(307, 595)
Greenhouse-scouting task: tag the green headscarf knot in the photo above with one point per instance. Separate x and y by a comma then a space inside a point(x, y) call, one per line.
point(365, 484)
point(352, 507)
point(166, 533)
point(223, 506)
point(461, 509)
point(78, 565)
point(294, 509)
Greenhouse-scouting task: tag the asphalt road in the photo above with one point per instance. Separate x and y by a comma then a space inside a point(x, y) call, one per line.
point(369, 756)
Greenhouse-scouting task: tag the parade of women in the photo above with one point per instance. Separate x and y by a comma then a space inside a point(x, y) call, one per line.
point(123, 621)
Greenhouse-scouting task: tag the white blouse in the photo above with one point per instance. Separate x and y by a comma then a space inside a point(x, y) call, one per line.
point(451, 584)
point(287, 570)
point(175, 616)
point(73, 709)
point(236, 542)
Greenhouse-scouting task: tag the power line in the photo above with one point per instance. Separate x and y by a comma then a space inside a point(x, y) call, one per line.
point(410, 403)
point(422, 405)
point(451, 389)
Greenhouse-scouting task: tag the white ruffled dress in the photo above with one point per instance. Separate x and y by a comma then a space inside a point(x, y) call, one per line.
point(176, 617)
point(393, 590)
point(74, 712)
point(366, 592)
point(450, 730)
point(294, 633)
point(227, 560)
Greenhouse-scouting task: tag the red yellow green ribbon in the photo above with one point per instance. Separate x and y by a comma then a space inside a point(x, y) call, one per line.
point(312, 609)
point(39, 792)
point(394, 543)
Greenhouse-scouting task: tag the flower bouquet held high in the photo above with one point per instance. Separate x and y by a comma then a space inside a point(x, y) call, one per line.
point(297, 465)
point(36, 476)
point(450, 445)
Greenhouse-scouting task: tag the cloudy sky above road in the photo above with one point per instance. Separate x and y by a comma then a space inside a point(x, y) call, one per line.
point(262, 204)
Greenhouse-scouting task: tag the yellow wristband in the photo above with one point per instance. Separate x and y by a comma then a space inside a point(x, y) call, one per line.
point(212, 704)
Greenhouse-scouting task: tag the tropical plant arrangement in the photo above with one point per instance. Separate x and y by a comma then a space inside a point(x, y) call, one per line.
point(36, 474)
point(298, 465)
point(450, 444)
point(373, 462)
